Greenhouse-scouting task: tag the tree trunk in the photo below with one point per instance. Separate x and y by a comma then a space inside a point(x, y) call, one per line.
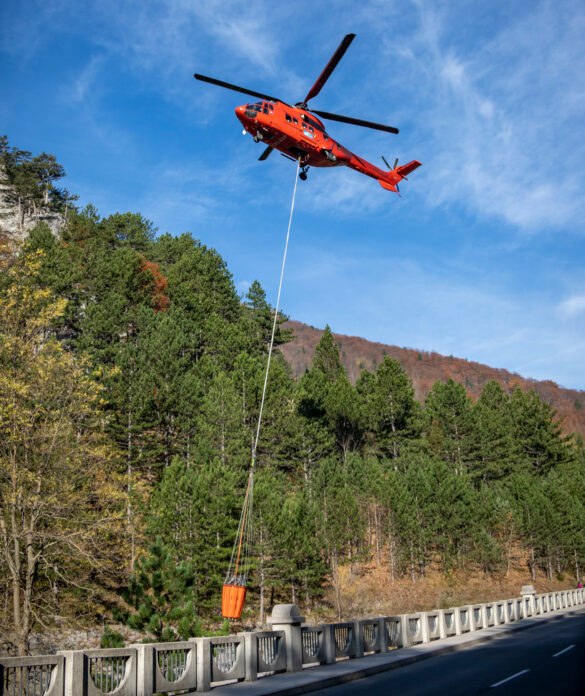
point(336, 585)
point(129, 486)
point(577, 566)
point(377, 534)
point(392, 544)
point(262, 575)
point(412, 571)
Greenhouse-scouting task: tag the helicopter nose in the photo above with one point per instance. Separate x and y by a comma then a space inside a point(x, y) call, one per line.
point(240, 112)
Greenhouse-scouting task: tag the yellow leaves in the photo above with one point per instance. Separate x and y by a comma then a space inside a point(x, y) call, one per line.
point(53, 451)
point(28, 311)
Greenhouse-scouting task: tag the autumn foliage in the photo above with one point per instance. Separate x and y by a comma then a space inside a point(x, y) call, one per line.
point(425, 368)
point(160, 299)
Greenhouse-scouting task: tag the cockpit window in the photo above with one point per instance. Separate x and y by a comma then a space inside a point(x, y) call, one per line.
point(288, 118)
point(295, 120)
point(313, 123)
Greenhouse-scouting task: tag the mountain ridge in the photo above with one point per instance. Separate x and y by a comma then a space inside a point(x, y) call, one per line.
point(424, 368)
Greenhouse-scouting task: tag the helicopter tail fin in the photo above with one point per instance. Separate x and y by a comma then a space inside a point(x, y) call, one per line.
point(391, 179)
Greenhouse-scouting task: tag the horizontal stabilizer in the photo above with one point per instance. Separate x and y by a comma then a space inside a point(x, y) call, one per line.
point(407, 168)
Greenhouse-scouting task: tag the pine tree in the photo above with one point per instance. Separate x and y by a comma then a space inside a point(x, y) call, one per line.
point(390, 407)
point(326, 359)
point(31, 180)
point(538, 440)
point(161, 595)
point(344, 413)
point(195, 508)
point(449, 413)
point(492, 442)
point(328, 405)
point(260, 319)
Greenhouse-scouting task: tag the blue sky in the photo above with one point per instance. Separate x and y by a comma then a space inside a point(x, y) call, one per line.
point(483, 256)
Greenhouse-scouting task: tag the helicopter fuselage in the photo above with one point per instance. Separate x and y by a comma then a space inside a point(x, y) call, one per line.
point(300, 135)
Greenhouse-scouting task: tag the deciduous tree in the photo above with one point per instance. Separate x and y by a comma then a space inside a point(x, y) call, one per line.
point(60, 506)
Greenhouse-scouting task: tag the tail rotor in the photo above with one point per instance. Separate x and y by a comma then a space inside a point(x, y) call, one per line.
point(393, 169)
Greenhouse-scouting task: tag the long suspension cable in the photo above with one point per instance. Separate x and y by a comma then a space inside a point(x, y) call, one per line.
point(244, 527)
point(275, 318)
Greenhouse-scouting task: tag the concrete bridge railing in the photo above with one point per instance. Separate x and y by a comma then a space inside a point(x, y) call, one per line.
point(202, 663)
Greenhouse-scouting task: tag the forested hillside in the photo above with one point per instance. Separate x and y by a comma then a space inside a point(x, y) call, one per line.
point(130, 380)
point(425, 368)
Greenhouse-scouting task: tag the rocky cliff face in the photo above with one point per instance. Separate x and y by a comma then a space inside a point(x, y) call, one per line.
point(14, 224)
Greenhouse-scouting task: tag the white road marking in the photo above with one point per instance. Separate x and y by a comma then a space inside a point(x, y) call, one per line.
point(507, 679)
point(564, 651)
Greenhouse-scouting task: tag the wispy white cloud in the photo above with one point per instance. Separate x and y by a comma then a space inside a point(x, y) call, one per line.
point(572, 307)
point(502, 141)
point(86, 82)
point(242, 28)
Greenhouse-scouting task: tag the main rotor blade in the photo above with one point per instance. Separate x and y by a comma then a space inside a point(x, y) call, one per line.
point(330, 67)
point(235, 88)
point(355, 121)
point(265, 154)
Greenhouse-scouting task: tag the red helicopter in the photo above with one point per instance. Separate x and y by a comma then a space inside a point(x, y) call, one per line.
point(301, 136)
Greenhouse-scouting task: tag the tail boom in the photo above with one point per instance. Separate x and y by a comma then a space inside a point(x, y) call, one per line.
point(387, 180)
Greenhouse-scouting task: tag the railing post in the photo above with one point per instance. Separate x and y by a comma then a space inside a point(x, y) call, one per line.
point(484, 615)
point(250, 655)
point(442, 625)
point(287, 618)
point(404, 632)
point(203, 664)
point(144, 669)
point(528, 592)
point(383, 641)
point(74, 671)
point(358, 639)
point(329, 644)
point(424, 626)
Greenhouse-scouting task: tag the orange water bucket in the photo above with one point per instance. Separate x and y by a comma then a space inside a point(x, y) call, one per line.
point(232, 601)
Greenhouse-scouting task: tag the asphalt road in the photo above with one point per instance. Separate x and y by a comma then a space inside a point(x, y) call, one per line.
point(544, 660)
